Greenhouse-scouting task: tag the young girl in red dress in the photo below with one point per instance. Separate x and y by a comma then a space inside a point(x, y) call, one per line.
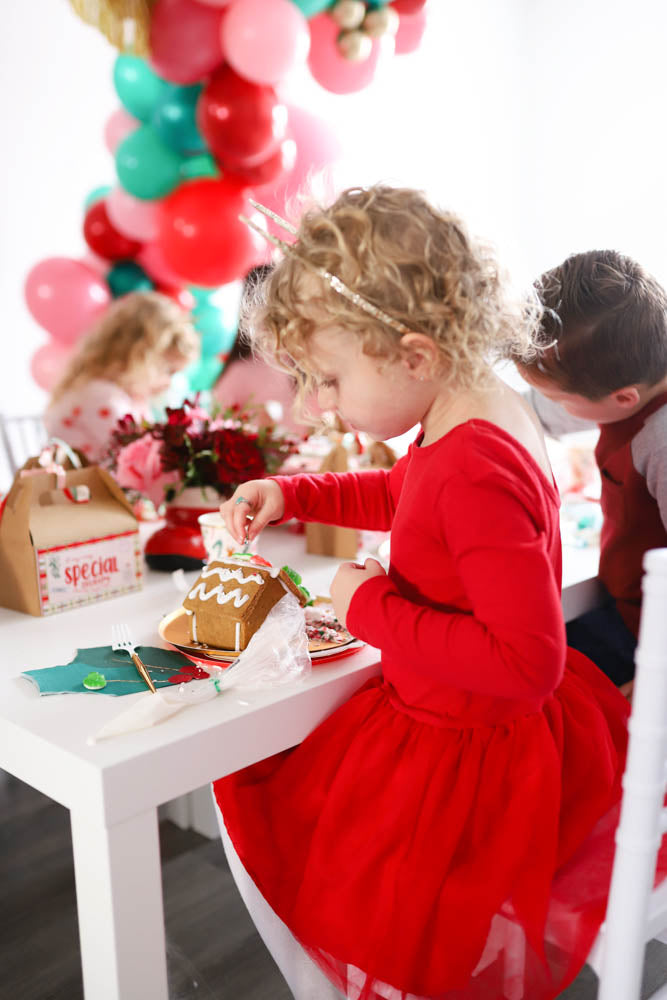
point(447, 832)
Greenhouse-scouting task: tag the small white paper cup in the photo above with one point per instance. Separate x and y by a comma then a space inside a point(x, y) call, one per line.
point(218, 542)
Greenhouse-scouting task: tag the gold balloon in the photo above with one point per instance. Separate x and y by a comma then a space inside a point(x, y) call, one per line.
point(383, 21)
point(355, 45)
point(125, 23)
point(348, 14)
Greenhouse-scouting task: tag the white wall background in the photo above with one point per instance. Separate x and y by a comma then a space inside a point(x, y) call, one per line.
point(594, 103)
point(541, 123)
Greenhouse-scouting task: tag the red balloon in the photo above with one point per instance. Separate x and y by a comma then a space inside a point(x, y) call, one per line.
point(407, 6)
point(242, 122)
point(181, 296)
point(185, 41)
point(201, 235)
point(275, 168)
point(152, 260)
point(103, 239)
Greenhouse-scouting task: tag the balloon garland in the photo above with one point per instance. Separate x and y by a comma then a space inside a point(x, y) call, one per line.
point(200, 129)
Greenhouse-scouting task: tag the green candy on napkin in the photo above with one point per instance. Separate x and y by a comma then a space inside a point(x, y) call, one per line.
point(116, 666)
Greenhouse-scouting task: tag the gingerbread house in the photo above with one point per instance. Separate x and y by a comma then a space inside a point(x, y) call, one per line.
point(231, 598)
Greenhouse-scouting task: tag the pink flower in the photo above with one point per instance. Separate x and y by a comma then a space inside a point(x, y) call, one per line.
point(198, 416)
point(139, 467)
point(190, 448)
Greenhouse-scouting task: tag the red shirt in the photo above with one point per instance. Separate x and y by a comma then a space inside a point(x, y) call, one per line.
point(632, 522)
point(472, 598)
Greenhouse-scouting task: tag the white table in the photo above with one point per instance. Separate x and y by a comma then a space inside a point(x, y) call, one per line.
point(113, 789)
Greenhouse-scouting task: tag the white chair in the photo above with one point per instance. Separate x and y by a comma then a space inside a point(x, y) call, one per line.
point(20, 438)
point(636, 913)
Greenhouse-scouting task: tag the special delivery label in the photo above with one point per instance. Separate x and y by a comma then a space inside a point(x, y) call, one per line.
point(70, 575)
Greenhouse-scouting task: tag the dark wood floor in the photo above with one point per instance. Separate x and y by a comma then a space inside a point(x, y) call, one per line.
point(213, 950)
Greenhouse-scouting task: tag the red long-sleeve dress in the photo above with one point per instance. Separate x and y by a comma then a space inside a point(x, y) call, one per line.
point(449, 829)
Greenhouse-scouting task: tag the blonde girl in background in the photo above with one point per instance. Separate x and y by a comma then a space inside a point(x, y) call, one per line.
point(457, 813)
point(128, 359)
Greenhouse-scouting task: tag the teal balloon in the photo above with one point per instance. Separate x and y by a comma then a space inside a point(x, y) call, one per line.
point(145, 166)
point(96, 195)
point(202, 165)
point(203, 374)
point(309, 8)
point(137, 86)
point(217, 332)
point(126, 276)
point(201, 295)
point(174, 119)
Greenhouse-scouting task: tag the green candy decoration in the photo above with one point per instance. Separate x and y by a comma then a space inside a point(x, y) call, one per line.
point(292, 574)
point(126, 276)
point(137, 86)
point(95, 681)
point(146, 167)
point(296, 578)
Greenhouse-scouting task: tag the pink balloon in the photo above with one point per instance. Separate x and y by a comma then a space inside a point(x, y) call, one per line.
point(411, 27)
point(185, 40)
point(118, 126)
point(214, 3)
point(264, 39)
point(152, 260)
point(133, 217)
point(48, 364)
point(332, 70)
point(317, 147)
point(65, 297)
point(95, 263)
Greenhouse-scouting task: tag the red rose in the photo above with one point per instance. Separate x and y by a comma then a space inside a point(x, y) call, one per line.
point(239, 457)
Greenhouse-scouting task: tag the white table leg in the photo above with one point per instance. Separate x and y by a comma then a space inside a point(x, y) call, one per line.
point(119, 902)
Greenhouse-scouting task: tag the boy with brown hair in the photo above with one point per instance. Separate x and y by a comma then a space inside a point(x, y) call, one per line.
point(605, 362)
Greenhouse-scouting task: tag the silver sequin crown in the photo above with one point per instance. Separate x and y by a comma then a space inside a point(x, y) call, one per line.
point(333, 280)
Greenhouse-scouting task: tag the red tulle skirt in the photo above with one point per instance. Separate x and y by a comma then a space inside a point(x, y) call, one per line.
point(445, 861)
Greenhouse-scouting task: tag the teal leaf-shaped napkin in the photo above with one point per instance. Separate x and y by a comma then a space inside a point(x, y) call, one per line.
point(117, 667)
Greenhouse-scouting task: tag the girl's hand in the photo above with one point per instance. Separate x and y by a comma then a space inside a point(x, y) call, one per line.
point(252, 506)
point(349, 577)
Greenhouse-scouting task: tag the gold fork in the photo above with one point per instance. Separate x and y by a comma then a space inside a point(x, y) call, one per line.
point(120, 639)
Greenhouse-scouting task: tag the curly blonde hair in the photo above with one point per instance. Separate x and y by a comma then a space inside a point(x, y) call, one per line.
point(135, 332)
point(416, 263)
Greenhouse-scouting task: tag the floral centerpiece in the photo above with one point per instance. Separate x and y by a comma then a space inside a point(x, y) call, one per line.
point(191, 447)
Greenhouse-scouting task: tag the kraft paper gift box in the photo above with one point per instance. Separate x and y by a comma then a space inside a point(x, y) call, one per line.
point(331, 539)
point(67, 538)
